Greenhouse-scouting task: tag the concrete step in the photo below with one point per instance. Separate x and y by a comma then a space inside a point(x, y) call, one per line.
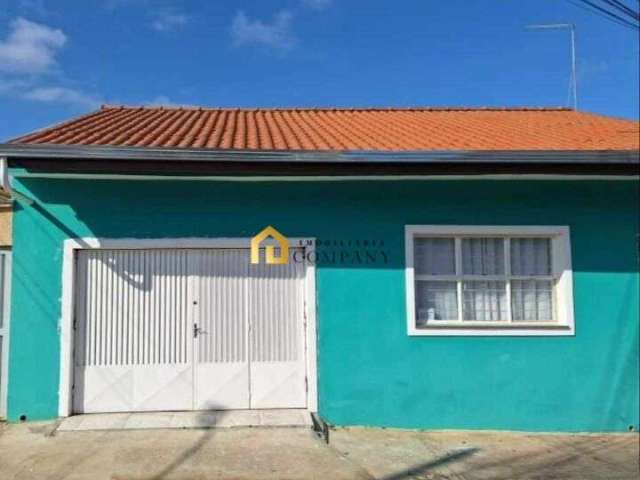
point(179, 420)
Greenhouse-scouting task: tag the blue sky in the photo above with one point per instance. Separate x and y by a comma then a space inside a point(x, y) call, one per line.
point(59, 59)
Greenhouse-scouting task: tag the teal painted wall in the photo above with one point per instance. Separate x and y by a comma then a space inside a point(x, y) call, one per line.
point(370, 371)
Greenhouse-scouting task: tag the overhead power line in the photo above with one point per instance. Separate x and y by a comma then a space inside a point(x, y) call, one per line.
point(612, 10)
point(623, 9)
point(578, 4)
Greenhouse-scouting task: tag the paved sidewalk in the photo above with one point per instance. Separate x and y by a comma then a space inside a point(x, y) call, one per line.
point(36, 451)
point(463, 455)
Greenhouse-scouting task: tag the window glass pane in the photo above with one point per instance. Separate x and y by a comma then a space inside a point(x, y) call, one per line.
point(531, 300)
point(530, 256)
point(483, 256)
point(434, 256)
point(436, 301)
point(484, 301)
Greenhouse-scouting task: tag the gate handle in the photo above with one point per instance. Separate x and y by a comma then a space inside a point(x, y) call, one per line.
point(197, 330)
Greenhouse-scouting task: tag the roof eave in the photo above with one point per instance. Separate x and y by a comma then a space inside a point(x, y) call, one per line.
point(106, 153)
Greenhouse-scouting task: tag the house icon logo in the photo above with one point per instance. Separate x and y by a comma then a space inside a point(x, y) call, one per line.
point(270, 250)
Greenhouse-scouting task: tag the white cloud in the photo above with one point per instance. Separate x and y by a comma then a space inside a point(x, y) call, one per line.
point(34, 6)
point(160, 101)
point(317, 4)
point(165, 101)
point(275, 34)
point(64, 95)
point(30, 48)
point(27, 60)
point(168, 20)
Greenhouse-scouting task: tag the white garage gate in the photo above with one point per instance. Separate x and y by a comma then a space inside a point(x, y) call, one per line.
point(162, 329)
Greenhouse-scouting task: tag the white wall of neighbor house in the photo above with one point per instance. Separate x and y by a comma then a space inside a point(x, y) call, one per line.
point(5, 269)
point(5, 289)
point(5, 225)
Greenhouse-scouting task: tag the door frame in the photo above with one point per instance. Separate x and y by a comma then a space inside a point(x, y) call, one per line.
point(6, 331)
point(66, 327)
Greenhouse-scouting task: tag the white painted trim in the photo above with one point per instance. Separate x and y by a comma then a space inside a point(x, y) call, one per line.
point(183, 242)
point(6, 332)
point(320, 178)
point(483, 230)
point(561, 270)
point(323, 178)
point(65, 390)
point(65, 327)
point(4, 174)
point(311, 329)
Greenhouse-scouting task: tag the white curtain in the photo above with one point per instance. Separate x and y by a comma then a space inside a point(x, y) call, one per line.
point(434, 256)
point(436, 301)
point(531, 300)
point(530, 256)
point(484, 301)
point(483, 256)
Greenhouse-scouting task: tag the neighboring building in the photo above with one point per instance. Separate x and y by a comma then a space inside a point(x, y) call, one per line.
point(5, 272)
point(445, 268)
point(5, 222)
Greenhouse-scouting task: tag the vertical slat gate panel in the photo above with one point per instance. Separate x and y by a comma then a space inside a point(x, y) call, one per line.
point(128, 357)
point(276, 317)
point(277, 360)
point(222, 309)
point(222, 366)
point(135, 349)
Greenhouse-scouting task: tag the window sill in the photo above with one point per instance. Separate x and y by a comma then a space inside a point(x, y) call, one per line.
point(523, 329)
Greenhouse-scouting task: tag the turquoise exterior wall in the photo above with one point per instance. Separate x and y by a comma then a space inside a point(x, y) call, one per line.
point(370, 371)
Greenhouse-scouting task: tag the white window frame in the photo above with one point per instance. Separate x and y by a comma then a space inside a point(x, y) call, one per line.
point(563, 323)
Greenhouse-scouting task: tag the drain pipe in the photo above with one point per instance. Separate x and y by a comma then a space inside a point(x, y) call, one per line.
point(320, 427)
point(5, 183)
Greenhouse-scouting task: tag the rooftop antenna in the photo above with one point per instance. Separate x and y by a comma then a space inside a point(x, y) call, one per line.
point(573, 81)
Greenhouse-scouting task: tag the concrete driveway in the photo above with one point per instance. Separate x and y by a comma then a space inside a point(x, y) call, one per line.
point(34, 451)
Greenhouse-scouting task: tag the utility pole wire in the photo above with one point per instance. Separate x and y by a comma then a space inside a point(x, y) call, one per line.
point(611, 15)
point(623, 9)
point(619, 8)
point(592, 10)
point(608, 12)
point(574, 73)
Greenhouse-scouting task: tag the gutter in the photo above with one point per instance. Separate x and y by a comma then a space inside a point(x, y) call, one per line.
point(5, 184)
point(93, 152)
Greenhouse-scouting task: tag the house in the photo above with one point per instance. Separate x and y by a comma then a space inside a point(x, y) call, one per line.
point(421, 268)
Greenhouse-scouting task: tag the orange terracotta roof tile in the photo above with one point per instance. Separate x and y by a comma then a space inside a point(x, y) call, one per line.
point(344, 129)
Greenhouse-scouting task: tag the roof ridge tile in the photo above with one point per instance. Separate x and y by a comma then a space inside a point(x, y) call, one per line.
point(350, 109)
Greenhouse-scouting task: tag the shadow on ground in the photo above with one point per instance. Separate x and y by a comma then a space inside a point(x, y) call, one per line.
point(30, 452)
